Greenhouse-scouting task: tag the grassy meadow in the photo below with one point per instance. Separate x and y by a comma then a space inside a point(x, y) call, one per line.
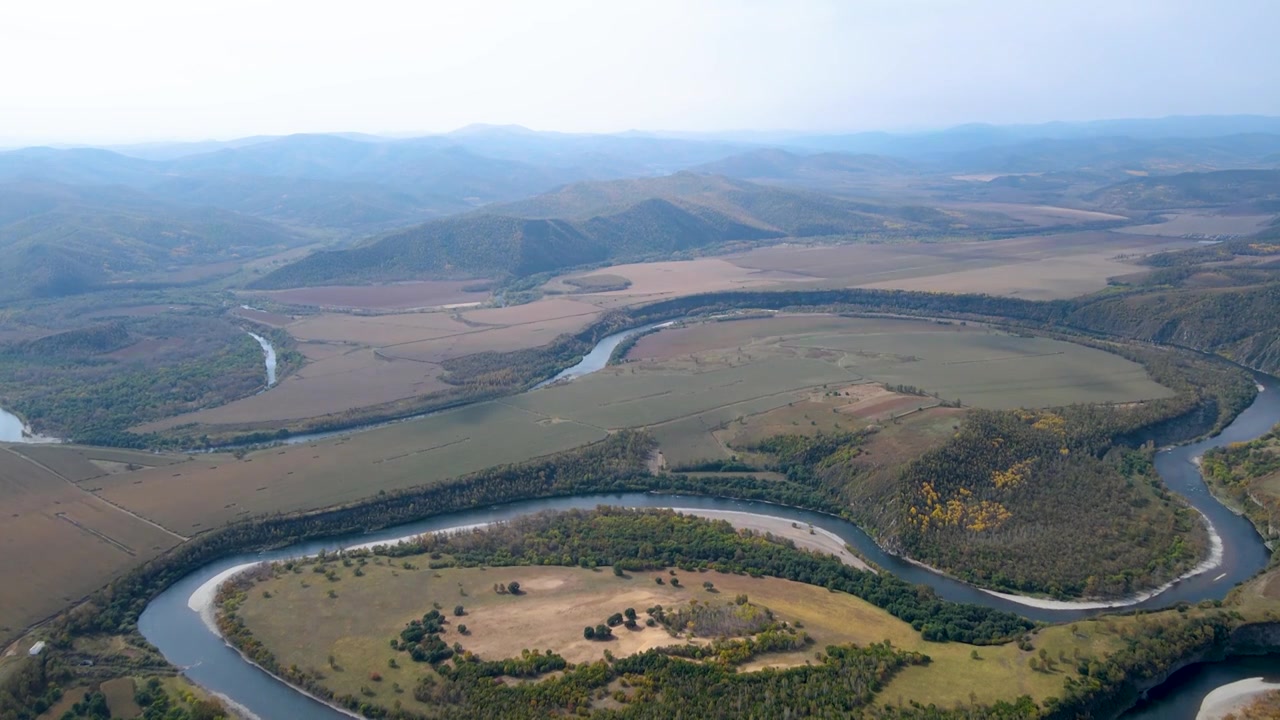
point(305, 619)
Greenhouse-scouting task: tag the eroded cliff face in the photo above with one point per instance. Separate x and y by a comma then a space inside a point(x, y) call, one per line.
point(1255, 639)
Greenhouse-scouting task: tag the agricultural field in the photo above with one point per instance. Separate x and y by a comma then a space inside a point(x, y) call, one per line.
point(210, 490)
point(61, 541)
point(1201, 223)
point(302, 624)
point(1041, 267)
point(1039, 215)
point(391, 296)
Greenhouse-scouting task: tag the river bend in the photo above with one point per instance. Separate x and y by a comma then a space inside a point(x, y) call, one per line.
point(184, 639)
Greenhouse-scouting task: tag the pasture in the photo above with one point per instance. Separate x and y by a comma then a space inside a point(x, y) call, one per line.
point(303, 625)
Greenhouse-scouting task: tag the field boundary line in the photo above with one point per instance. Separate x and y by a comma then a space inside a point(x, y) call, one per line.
point(126, 511)
point(101, 536)
point(422, 450)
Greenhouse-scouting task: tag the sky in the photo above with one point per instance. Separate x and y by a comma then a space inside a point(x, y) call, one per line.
point(139, 70)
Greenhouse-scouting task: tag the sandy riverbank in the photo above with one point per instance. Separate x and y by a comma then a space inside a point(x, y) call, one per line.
point(1209, 563)
point(1233, 698)
point(819, 540)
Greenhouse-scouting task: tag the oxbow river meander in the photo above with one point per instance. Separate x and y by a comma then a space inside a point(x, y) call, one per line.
point(184, 638)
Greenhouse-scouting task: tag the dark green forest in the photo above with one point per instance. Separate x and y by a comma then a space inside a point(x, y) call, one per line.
point(1245, 475)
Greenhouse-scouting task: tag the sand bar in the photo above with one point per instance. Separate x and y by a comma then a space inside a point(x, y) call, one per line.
point(1233, 697)
point(799, 533)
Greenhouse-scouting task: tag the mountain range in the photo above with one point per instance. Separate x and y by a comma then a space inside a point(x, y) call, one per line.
point(78, 218)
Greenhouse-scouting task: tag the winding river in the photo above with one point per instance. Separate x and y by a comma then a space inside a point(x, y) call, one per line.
point(182, 636)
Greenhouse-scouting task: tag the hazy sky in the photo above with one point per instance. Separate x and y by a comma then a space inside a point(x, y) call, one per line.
point(125, 70)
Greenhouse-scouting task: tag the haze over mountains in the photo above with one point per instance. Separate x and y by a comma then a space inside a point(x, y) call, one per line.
point(519, 202)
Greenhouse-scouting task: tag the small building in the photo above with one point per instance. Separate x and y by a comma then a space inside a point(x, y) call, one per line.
point(36, 649)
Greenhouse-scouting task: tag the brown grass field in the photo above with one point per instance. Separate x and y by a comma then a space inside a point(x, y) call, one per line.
point(213, 489)
point(1036, 267)
point(392, 296)
point(303, 626)
point(61, 542)
point(1209, 223)
point(662, 280)
point(1042, 215)
point(361, 361)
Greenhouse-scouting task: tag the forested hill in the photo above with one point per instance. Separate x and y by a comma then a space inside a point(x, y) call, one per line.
point(1193, 189)
point(59, 239)
point(489, 245)
point(595, 222)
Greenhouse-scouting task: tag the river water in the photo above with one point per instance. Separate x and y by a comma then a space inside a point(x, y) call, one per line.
point(13, 429)
point(269, 353)
point(600, 354)
point(187, 642)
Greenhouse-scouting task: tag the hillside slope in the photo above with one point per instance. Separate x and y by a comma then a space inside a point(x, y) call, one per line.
point(594, 222)
point(487, 245)
point(1226, 187)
